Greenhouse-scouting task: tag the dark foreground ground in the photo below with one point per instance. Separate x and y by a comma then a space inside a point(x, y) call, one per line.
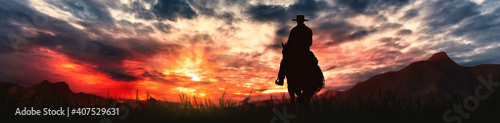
point(390, 109)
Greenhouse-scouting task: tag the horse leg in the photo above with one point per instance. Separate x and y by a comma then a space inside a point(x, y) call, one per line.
point(292, 91)
point(302, 101)
point(307, 96)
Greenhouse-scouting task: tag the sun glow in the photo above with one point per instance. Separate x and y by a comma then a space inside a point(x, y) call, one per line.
point(189, 91)
point(184, 72)
point(275, 91)
point(72, 66)
point(194, 76)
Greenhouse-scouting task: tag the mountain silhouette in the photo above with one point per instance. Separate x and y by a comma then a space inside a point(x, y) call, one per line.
point(44, 94)
point(437, 79)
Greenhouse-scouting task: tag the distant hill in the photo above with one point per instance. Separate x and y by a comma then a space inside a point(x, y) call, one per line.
point(439, 79)
point(44, 94)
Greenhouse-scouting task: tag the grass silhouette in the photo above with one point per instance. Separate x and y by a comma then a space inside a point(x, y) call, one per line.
point(393, 107)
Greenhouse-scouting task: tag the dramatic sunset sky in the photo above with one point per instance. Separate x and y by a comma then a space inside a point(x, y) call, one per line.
point(200, 47)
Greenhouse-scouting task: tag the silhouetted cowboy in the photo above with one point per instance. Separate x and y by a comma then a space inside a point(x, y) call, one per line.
point(300, 66)
point(301, 36)
point(299, 41)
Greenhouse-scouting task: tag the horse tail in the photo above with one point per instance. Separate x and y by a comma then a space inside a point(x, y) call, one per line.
point(321, 78)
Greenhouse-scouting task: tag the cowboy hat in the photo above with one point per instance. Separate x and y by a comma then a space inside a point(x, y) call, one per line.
point(300, 18)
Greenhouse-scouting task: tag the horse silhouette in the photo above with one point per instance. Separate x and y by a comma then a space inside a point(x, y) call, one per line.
point(299, 65)
point(304, 76)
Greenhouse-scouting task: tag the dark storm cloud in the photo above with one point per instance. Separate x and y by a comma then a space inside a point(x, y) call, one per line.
point(268, 13)
point(272, 13)
point(307, 7)
point(281, 14)
point(488, 57)
point(358, 34)
point(446, 13)
point(140, 11)
point(355, 5)
point(77, 45)
point(249, 62)
point(281, 34)
point(409, 14)
point(387, 39)
point(335, 25)
point(229, 17)
point(276, 45)
point(11, 31)
point(162, 27)
point(153, 74)
point(87, 10)
point(391, 42)
point(204, 7)
point(389, 26)
point(283, 31)
point(483, 31)
point(331, 67)
point(483, 28)
point(117, 74)
point(6, 46)
point(339, 31)
point(158, 76)
point(404, 32)
point(172, 9)
point(167, 79)
point(235, 2)
point(371, 6)
point(101, 50)
point(125, 27)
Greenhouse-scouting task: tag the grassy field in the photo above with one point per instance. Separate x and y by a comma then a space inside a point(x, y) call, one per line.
point(392, 108)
